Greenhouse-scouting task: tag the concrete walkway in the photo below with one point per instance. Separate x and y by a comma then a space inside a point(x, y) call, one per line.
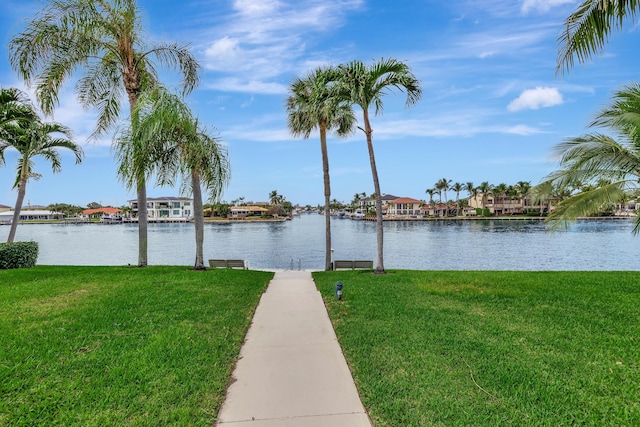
point(291, 370)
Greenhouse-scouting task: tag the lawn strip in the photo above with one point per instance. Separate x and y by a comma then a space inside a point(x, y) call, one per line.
point(90, 346)
point(491, 347)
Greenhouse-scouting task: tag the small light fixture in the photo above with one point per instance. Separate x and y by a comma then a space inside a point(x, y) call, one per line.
point(339, 286)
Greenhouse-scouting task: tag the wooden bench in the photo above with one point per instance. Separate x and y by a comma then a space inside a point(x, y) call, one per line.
point(227, 263)
point(352, 265)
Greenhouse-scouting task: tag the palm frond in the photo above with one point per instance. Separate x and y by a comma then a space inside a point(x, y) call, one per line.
point(588, 203)
point(588, 29)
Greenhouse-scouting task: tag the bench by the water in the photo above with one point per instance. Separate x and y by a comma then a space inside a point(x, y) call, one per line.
point(352, 264)
point(227, 263)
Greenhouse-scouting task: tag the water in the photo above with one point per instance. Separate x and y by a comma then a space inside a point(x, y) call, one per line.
point(432, 245)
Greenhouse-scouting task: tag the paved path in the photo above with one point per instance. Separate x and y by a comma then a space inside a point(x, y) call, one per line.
point(291, 370)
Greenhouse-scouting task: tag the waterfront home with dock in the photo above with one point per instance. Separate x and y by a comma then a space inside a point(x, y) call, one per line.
point(161, 209)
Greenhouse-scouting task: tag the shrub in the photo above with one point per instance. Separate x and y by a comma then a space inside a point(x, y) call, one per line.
point(18, 255)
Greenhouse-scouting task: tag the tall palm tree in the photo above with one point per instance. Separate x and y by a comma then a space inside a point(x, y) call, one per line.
point(104, 39)
point(313, 104)
point(499, 192)
point(442, 185)
point(588, 29)
point(274, 197)
point(470, 189)
point(33, 139)
point(457, 187)
point(431, 192)
point(524, 190)
point(612, 163)
point(365, 86)
point(484, 188)
point(179, 149)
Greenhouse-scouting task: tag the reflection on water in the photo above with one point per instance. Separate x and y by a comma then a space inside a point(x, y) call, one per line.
point(437, 245)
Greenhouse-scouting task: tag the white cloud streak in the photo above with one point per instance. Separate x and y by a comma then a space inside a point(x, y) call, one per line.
point(261, 41)
point(533, 99)
point(542, 6)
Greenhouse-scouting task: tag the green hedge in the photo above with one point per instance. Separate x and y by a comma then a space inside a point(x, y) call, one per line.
point(18, 255)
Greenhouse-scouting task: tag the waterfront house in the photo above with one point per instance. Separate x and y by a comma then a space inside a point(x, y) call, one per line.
point(369, 204)
point(31, 215)
point(505, 205)
point(170, 208)
point(106, 213)
point(404, 206)
point(243, 211)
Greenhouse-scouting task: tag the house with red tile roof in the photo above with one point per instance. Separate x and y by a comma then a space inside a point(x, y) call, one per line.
point(104, 213)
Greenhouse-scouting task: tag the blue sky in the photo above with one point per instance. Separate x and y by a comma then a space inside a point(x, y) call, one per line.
point(492, 107)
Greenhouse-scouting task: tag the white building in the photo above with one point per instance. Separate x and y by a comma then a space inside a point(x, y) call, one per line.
point(31, 215)
point(170, 208)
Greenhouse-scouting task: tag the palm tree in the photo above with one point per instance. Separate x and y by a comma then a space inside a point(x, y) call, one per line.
point(14, 107)
point(365, 87)
point(612, 163)
point(104, 39)
point(313, 104)
point(457, 187)
point(274, 197)
point(484, 188)
point(524, 190)
point(442, 186)
point(470, 189)
point(179, 149)
point(589, 27)
point(32, 139)
point(431, 192)
point(499, 191)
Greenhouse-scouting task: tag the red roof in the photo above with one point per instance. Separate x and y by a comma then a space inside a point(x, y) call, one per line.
point(106, 210)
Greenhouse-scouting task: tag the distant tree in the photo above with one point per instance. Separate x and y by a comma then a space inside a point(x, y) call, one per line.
point(471, 190)
point(484, 188)
point(431, 192)
point(66, 209)
point(499, 192)
point(94, 205)
point(457, 187)
point(274, 197)
point(442, 186)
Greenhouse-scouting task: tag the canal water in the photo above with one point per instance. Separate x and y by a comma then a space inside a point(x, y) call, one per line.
point(599, 244)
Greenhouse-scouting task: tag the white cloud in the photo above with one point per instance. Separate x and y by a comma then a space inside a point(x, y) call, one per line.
point(262, 40)
point(232, 84)
point(253, 7)
point(523, 130)
point(223, 49)
point(536, 98)
point(542, 6)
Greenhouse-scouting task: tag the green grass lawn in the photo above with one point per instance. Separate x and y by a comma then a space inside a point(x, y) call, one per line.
point(469, 348)
point(117, 346)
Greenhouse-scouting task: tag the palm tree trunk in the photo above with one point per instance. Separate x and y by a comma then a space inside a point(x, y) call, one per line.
point(132, 86)
point(327, 196)
point(198, 219)
point(22, 189)
point(143, 223)
point(376, 188)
